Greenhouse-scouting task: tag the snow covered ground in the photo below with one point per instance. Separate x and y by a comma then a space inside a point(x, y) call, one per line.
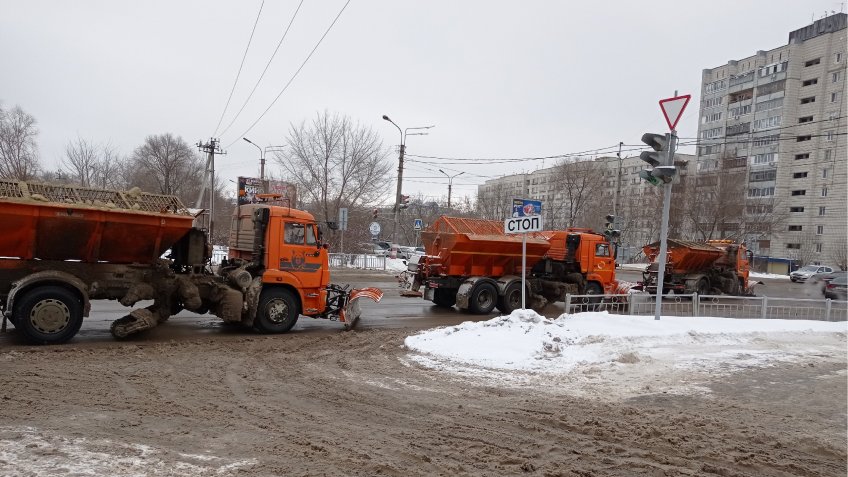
point(614, 356)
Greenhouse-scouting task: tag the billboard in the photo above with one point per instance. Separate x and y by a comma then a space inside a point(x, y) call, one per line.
point(250, 187)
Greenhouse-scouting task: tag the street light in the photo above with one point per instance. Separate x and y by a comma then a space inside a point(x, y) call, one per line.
point(261, 160)
point(450, 183)
point(403, 134)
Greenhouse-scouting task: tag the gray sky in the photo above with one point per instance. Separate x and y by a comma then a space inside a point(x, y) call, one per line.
point(498, 79)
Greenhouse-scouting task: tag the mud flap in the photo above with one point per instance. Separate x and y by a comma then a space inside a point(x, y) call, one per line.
point(349, 314)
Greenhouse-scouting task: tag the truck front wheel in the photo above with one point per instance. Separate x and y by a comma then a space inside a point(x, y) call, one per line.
point(49, 315)
point(483, 298)
point(277, 312)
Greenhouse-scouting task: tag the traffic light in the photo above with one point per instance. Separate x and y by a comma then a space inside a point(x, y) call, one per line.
point(662, 167)
point(609, 228)
point(375, 213)
point(404, 201)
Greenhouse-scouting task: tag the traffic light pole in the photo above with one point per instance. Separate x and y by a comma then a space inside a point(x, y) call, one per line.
point(664, 228)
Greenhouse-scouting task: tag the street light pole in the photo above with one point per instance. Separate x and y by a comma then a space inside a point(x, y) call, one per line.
point(450, 184)
point(403, 134)
point(261, 160)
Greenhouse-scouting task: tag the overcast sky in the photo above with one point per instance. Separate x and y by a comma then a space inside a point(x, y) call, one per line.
point(497, 79)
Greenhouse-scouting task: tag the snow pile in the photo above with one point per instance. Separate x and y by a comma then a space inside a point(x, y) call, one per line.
point(32, 451)
point(571, 344)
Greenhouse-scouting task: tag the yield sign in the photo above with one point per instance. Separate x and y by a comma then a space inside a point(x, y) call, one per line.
point(672, 109)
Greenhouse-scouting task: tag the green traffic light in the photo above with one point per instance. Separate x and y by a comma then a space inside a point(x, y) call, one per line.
point(646, 175)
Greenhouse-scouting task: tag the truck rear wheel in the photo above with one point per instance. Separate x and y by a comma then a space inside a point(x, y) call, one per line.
point(511, 299)
point(278, 311)
point(444, 297)
point(483, 298)
point(49, 315)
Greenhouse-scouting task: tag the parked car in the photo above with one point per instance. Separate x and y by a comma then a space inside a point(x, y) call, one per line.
point(837, 289)
point(804, 273)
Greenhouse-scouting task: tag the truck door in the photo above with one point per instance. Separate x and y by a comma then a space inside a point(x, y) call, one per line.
point(300, 254)
point(604, 263)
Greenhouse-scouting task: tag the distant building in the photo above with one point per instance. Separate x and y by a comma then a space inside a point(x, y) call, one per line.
point(638, 207)
point(778, 120)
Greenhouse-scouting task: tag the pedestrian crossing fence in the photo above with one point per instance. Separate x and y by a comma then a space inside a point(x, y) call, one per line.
point(722, 306)
point(363, 261)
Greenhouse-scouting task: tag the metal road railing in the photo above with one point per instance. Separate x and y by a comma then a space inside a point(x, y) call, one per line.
point(713, 305)
point(358, 260)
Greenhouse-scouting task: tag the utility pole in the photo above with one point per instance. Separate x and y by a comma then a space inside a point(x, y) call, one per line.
point(210, 148)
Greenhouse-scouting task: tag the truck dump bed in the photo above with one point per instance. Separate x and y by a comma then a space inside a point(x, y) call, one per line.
point(51, 222)
point(686, 256)
point(479, 247)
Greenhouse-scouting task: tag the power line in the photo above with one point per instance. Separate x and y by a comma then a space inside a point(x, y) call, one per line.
point(461, 160)
point(293, 76)
point(267, 65)
point(249, 41)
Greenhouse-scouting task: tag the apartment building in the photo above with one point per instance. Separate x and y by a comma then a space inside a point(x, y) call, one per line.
point(778, 120)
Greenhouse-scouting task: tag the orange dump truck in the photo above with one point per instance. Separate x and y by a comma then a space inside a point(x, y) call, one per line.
point(474, 265)
point(711, 267)
point(61, 247)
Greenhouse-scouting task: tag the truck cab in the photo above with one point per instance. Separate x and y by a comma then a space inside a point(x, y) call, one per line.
point(285, 249)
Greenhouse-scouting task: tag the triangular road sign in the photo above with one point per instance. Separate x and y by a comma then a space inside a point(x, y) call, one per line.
point(672, 109)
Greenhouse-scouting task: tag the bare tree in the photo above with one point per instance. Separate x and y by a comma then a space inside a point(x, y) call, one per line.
point(579, 182)
point(336, 163)
point(715, 205)
point(494, 202)
point(81, 158)
point(167, 165)
point(18, 150)
point(839, 254)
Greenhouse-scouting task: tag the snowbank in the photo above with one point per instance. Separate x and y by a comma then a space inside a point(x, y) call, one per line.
point(525, 341)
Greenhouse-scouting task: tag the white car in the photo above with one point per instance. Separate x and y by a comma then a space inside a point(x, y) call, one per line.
point(805, 272)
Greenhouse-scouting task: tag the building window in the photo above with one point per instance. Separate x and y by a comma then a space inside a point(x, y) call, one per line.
point(796, 209)
point(837, 58)
point(766, 140)
point(764, 106)
point(824, 173)
point(812, 62)
point(819, 229)
point(804, 138)
point(835, 77)
point(834, 97)
point(799, 175)
point(806, 155)
point(824, 192)
point(764, 192)
point(822, 210)
point(799, 192)
point(764, 158)
point(796, 228)
point(828, 136)
point(805, 119)
point(795, 246)
point(810, 82)
point(827, 154)
point(818, 248)
point(766, 123)
point(808, 99)
point(762, 176)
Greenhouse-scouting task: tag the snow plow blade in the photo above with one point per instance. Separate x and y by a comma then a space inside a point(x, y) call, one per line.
point(349, 315)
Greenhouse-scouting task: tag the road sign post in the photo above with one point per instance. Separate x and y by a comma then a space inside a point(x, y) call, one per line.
point(672, 109)
point(526, 217)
